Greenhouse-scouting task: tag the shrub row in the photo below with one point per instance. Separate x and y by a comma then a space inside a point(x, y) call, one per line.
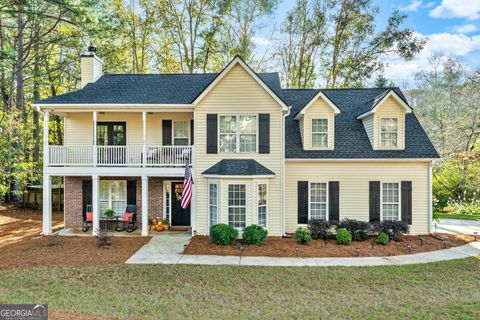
point(359, 230)
point(223, 234)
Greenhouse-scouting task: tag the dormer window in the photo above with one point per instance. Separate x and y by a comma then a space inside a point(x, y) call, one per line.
point(320, 133)
point(389, 133)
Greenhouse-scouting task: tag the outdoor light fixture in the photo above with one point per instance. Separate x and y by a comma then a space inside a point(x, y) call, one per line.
point(476, 234)
point(357, 251)
point(325, 242)
point(373, 244)
point(445, 243)
point(423, 241)
point(297, 249)
point(194, 232)
point(409, 247)
point(239, 247)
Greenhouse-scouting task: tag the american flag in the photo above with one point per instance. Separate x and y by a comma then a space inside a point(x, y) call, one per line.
point(187, 187)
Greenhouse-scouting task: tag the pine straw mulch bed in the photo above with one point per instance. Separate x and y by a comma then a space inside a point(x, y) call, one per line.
point(22, 246)
point(285, 247)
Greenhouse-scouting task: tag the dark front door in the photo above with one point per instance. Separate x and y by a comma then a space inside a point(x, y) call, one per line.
point(111, 134)
point(180, 216)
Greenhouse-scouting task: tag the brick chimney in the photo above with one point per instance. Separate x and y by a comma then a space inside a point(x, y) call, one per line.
point(91, 66)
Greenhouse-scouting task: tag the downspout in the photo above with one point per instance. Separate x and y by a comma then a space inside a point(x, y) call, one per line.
point(286, 113)
point(430, 197)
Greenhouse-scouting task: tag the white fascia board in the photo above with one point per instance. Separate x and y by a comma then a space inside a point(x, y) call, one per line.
point(218, 176)
point(87, 107)
point(364, 160)
point(392, 94)
point(234, 62)
point(115, 171)
point(321, 95)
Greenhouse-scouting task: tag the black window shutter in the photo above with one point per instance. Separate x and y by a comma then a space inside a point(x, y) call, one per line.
point(212, 127)
point(407, 202)
point(374, 202)
point(334, 201)
point(264, 133)
point(131, 192)
point(302, 197)
point(192, 140)
point(167, 132)
point(86, 194)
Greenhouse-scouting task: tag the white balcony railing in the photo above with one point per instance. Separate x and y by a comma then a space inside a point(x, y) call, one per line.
point(119, 156)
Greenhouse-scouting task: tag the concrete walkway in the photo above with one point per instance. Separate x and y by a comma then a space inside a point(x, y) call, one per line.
point(458, 226)
point(167, 249)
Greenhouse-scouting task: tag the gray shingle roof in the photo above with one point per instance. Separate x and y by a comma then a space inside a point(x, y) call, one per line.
point(148, 89)
point(238, 167)
point(351, 140)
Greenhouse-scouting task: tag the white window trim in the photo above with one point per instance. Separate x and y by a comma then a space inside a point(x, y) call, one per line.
point(237, 133)
point(380, 134)
point(327, 198)
point(246, 203)
point(189, 134)
point(109, 191)
point(399, 199)
point(217, 183)
point(266, 205)
point(328, 134)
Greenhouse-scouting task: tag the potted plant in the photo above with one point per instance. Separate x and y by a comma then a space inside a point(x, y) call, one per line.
point(162, 225)
point(109, 213)
point(150, 223)
point(165, 224)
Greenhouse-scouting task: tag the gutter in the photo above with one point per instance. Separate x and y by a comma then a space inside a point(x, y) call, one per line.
point(282, 169)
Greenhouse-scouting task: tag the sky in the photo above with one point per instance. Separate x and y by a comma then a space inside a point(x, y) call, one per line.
point(450, 27)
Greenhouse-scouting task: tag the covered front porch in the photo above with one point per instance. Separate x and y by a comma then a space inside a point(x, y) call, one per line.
point(134, 202)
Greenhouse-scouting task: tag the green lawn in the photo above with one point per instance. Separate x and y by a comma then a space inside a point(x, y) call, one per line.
point(442, 215)
point(447, 290)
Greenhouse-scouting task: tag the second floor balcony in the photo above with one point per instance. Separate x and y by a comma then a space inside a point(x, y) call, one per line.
point(118, 156)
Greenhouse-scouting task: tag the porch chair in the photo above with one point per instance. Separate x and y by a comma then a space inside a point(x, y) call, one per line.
point(87, 217)
point(129, 220)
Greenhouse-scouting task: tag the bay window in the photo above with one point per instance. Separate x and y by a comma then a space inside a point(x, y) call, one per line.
point(262, 204)
point(237, 205)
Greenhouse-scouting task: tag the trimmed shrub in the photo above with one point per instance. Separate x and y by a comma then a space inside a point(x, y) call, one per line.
point(383, 238)
point(254, 235)
point(394, 229)
point(358, 229)
point(222, 234)
point(344, 236)
point(303, 235)
point(322, 229)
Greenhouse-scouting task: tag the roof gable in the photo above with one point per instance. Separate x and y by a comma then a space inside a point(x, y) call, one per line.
point(380, 99)
point(238, 61)
point(319, 95)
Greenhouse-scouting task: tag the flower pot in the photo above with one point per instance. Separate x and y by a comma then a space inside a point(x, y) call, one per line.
point(160, 227)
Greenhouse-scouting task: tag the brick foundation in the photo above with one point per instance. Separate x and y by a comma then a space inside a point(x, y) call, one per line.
point(74, 205)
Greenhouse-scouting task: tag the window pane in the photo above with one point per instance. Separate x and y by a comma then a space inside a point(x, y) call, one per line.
point(237, 205)
point(248, 143)
point(318, 201)
point(228, 124)
point(389, 132)
point(248, 124)
point(262, 205)
point(391, 201)
point(213, 203)
point(319, 133)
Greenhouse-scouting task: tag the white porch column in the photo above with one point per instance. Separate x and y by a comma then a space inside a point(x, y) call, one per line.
point(193, 215)
point(144, 149)
point(144, 206)
point(47, 205)
point(46, 152)
point(95, 202)
point(94, 144)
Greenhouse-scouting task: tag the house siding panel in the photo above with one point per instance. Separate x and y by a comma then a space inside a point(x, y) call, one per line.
point(238, 93)
point(368, 125)
point(354, 180)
